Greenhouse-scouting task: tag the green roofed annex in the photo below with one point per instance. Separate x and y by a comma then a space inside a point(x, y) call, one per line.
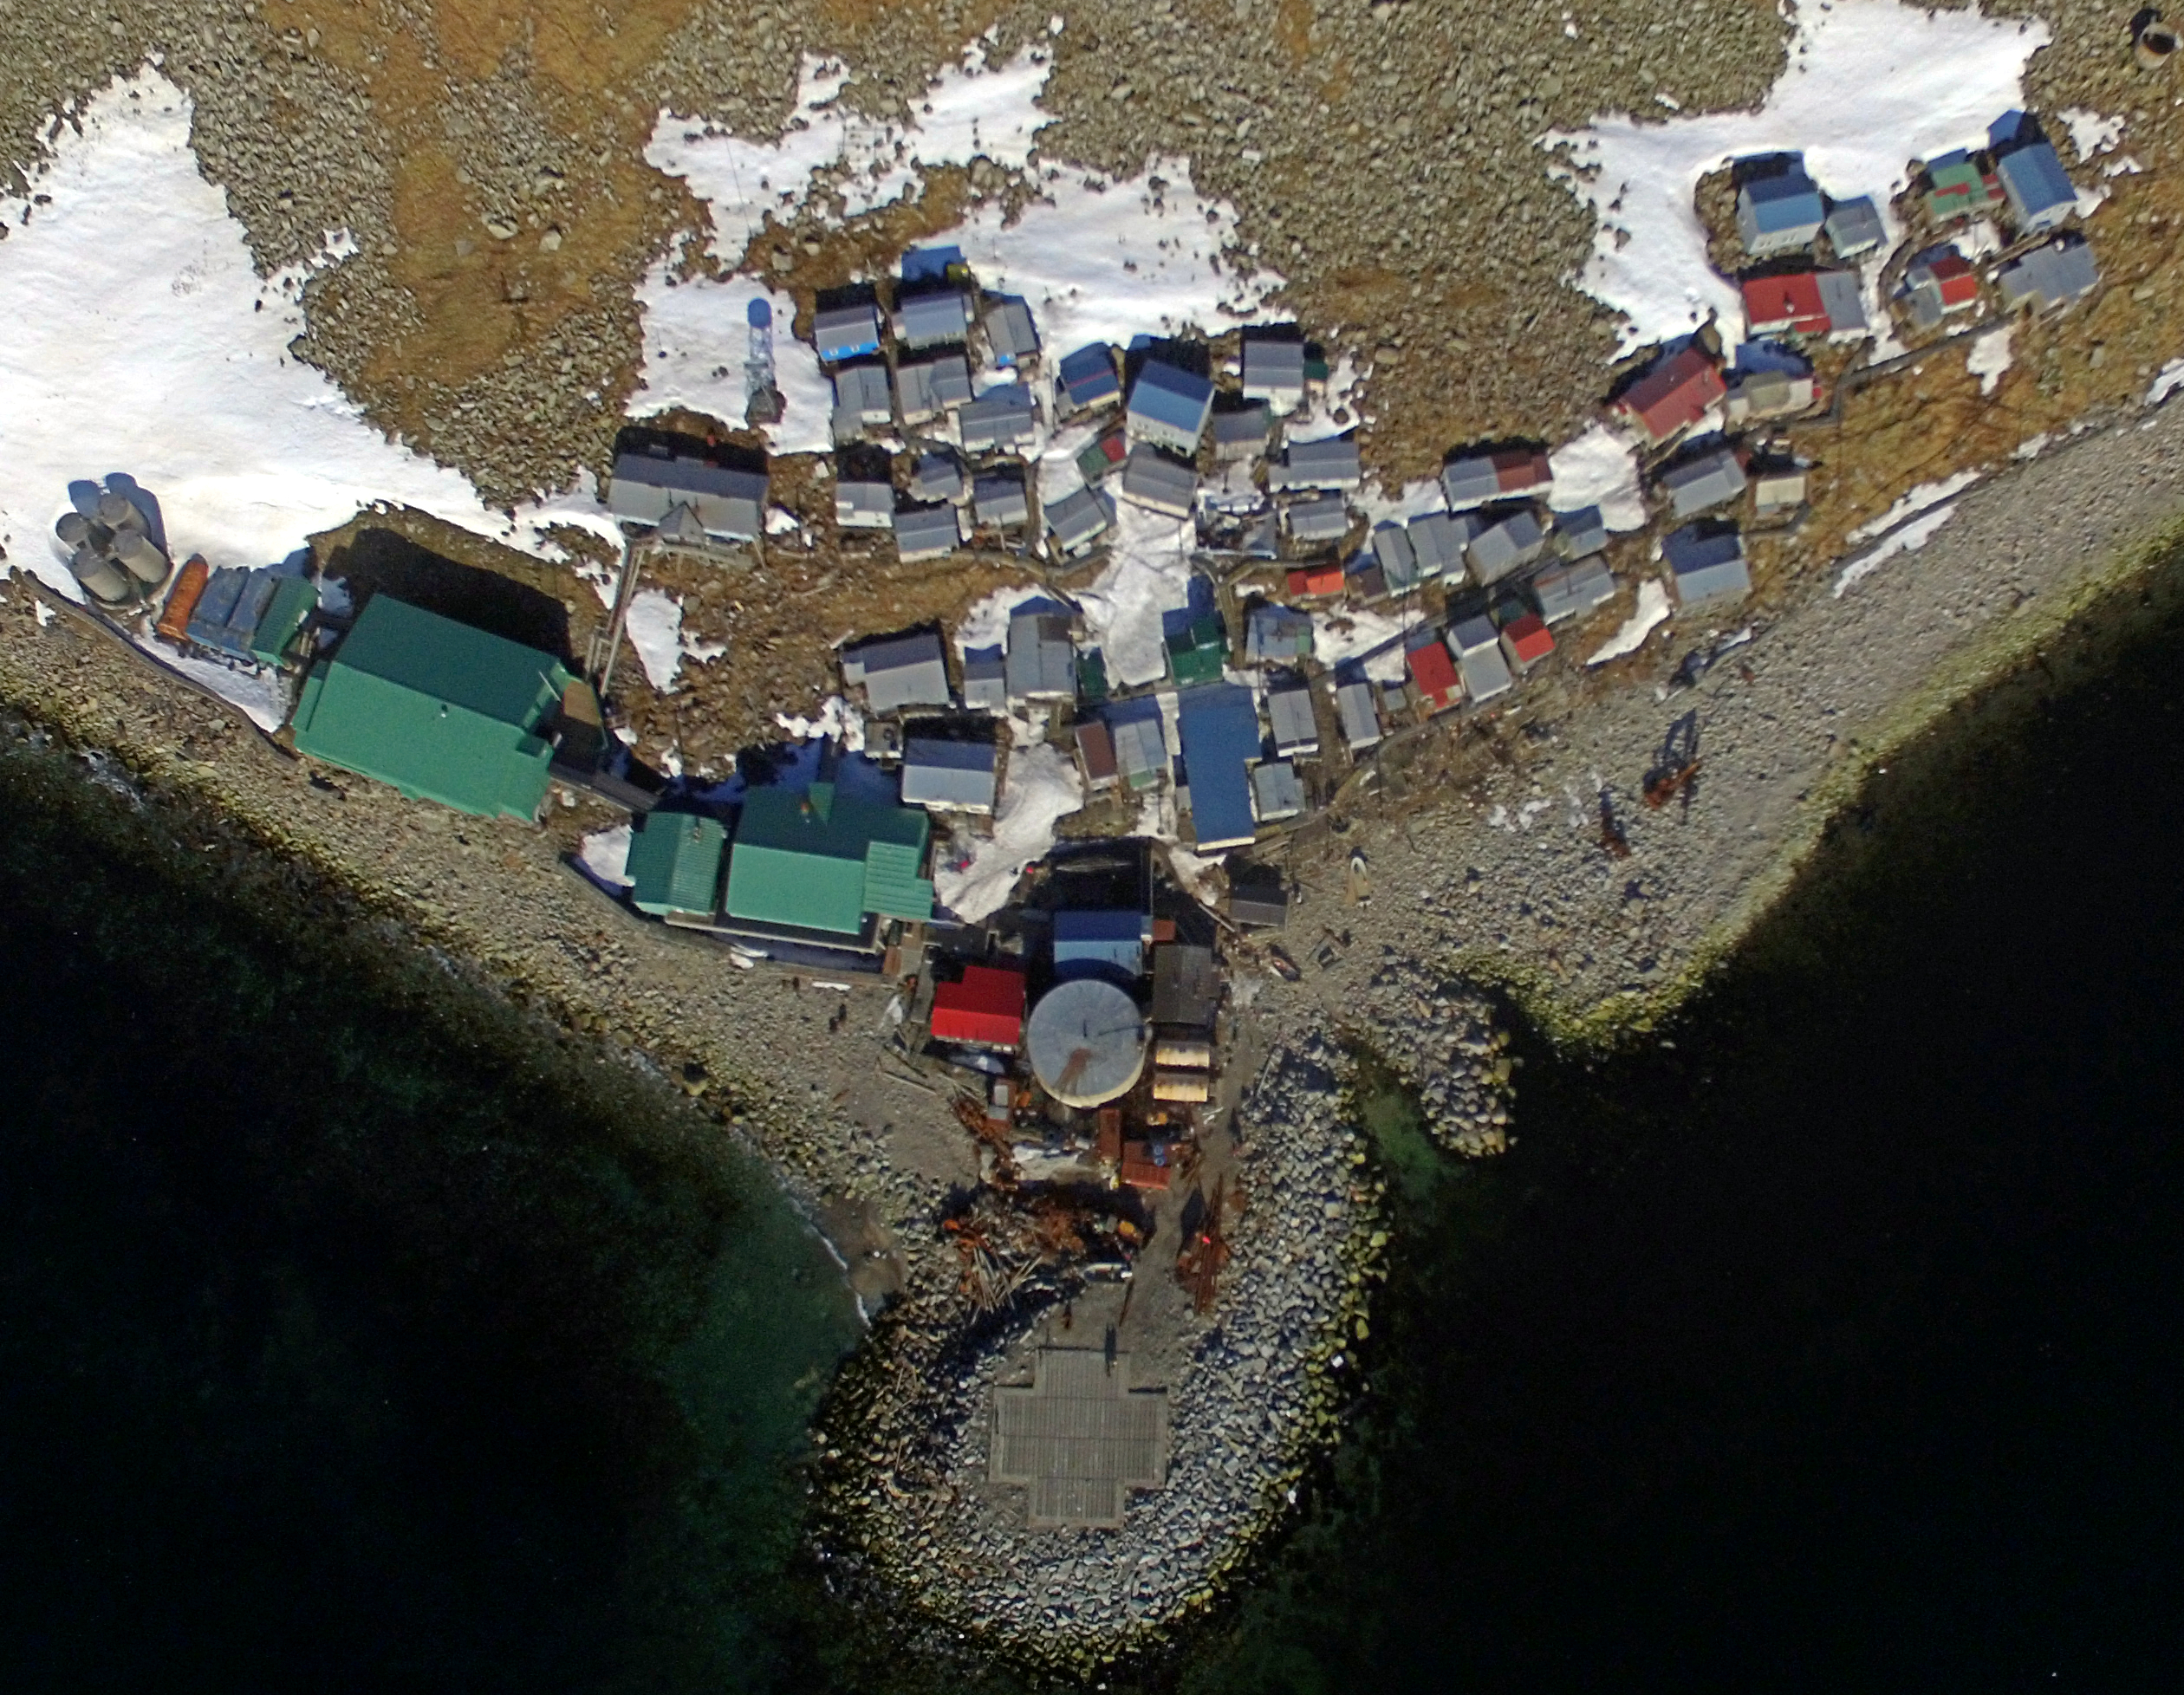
point(814, 862)
point(435, 708)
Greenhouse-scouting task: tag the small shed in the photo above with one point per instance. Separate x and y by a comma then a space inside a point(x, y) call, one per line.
point(2049, 277)
point(933, 318)
point(1088, 378)
point(864, 503)
point(1786, 301)
point(1672, 395)
point(674, 866)
point(1360, 714)
point(860, 398)
point(1438, 541)
point(1571, 590)
point(1169, 406)
point(1289, 709)
point(1141, 744)
point(2036, 185)
point(1769, 391)
point(1096, 754)
point(1581, 532)
point(937, 476)
point(983, 1008)
point(1240, 434)
point(1256, 897)
point(1699, 484)
point(1277, 791)
point(1477, 645)
point(1277, 635)
point(1939, 282)
point(986, 680)
point(1506, 546)
point(999, 500)
point(1960, 184)
point(1274, 371)
point(928, 532)
point(1330, 462)
point(1321, 581)
point(1526, 641)
point(1432, 675)
point(1010, 331)
point(1707, 563)
point(1197, 644)
point(1780, 213)
point(1004, 419)
point(1855, 227)
point(1317, 521)
point(1777, 487)
point(896, 671)
point(1509, 473)
point(1843, 298)
point(944, 776)
point(1078, 520)
point(847, 332)
point(928, 388)
point(1396, 557)
point(1042, 657)
point(1159, 481)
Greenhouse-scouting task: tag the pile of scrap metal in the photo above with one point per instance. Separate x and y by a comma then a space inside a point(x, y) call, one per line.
point(1003, 1243)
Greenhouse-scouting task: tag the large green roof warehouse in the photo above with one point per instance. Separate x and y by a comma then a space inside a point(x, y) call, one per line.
point(436, 708)
point(821, 861)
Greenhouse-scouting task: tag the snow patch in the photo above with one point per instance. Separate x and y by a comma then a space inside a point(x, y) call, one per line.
point(2167, 381)
point(1910, 539)
point(1870, 85)
point(1990, 357)
point(605, 855)
point(653, 625)
point(1340, 637)
point(2091, 132)
point(127, 275)
point(837, 721)
point(1926, 495)
point(1651, 612)
point(696, 335)
point(1149, 573)
point(1041, 789)
point(1600, 468)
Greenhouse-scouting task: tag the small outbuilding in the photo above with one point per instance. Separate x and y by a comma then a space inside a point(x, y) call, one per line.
point(1289, 709)
point(1330, 462)
point(1088, 378)
point(674, 865)
point(847, 332)
point(946, 776)
point(1571, 590)
point(1707, 563)
point(930, 388)
point(983, 1009)
point(1078, 520)
point(1672, 395)
point(1278, 793)
point(1779, 213)
point(1012, 336)
point(896, 671)
point(1477, 645)
point(1169, 406)
point(933, 318)
point(1526, 641)
point(2049, 277)
point(1359, 712)
point(1321, 520)
point(999, 500)
point(1855, 227)
point(1509, 473)
point(1506, 546)
point(1042, 656)
point(1438, 541)
point(928, 532)
point(1159, 481)
point(1274, 371)
point(1703, 482)
point(1004, 419)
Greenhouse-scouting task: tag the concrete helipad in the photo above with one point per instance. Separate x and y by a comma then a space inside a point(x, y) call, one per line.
point(1079, 1437)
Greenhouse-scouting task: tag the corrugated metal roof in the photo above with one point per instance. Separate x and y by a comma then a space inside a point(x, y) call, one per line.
point(1220, 733)
point(435, 708)
point(674, 863)
point(936, 772)
point(1178, 399)
point(817, 860)
point(928, 532)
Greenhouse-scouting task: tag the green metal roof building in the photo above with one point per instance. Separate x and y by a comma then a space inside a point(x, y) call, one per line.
point(437, 709)
point(1198, 650)
point(814, 860)
point(294, 599)
point(674, 865)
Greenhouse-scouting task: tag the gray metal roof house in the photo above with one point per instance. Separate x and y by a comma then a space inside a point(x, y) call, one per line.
point(1000, 499)
point(1041, 664)
point(1331, 463)
point(1511, 473)
point(847, 332)
point(932, 320)
point(1003, 419)
point(1696, 485)
point(1568, 591)
point(1289, 709)
point(1321, 518)
point(1240, 436)
point(1078, 520)
point(928, 532)
point(926, 388)
point(1501, 548)
point(1579, 533)
point(1360, 714)
point(1277, 635)
point(2048, 277)
point(860, 398)
point(986, 680)
point(1843, 300)
point(1707, 563)
point(861, 504)
point(1274, 371)
point(1168, 407)
point(947, 775)
point(1010, 331)
point(1855, 227)
point(1438, 539)
point(1396, 557)
point(896, 671)
point(1159, 481)
point(1479, 659)
point(937, 476)
point(1277, 792)
point(646, 487)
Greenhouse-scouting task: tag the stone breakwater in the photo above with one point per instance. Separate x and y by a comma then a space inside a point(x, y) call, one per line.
point(1440, 1039)
point(1256, 1393)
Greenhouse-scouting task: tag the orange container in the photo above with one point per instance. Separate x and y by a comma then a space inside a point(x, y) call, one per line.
point(174, 620)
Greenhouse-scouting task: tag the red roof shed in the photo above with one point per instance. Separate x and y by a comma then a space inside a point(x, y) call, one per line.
point(986, 1008)
point(1791, 302)
point(1953, 276)
point(1673, 395)
point(1316, 579)
point(1433, 671)
point(1520, 470)
point(1527, 641)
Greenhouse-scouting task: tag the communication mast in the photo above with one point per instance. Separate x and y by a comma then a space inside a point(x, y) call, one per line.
point(763, 402)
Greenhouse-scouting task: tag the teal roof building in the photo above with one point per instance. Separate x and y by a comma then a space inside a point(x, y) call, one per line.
point(674, 865)
point(817, 862)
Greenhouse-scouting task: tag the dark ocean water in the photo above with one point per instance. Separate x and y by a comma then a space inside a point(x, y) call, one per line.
point(352, 1337)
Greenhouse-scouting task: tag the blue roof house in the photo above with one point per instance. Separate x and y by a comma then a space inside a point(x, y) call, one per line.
point(1168, 407)
point(1708, 563)
point(1779, 214)
point(1088, 378)
point(1220, 726)
point(2033, 180)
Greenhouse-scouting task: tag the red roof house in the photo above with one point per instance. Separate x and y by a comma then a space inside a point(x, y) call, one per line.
point(1951, 276)
point(1792, 302)
point(1523, 471)
point(1526, 641)
point(986, 1009)
point(1316, 579)
point(1673, 395)
point(1433, 674)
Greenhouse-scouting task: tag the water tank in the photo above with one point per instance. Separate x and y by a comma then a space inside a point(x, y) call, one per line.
point(101, 576)
point(1086, 1042)
point(73, 529)
point(117, 512)
point(136, 554)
